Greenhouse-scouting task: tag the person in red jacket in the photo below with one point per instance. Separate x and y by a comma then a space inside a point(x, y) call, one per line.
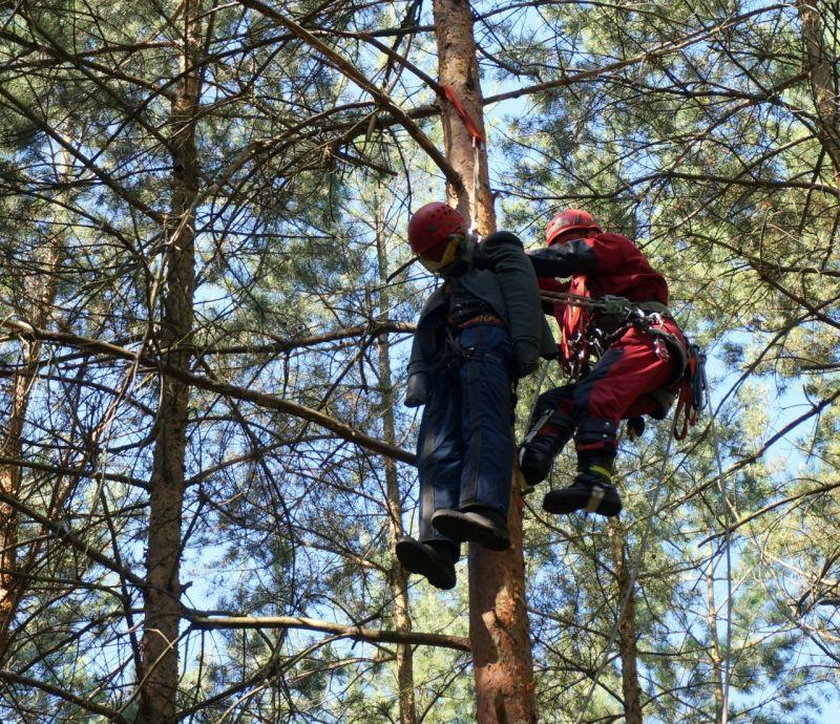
point(621, 347)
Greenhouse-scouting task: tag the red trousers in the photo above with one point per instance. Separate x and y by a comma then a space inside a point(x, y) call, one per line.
point(618, 387)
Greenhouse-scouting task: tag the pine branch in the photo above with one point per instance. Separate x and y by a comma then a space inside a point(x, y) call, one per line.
point(62, 533)
point(262, 399)
point(110, 714)
point(350, 71)
point(310, 624)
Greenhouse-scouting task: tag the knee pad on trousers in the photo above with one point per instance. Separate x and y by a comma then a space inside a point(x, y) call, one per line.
point(596, 432)
point(556, 398)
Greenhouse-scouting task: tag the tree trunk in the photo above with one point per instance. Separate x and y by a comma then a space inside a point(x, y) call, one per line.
point(398, 576)
point(821, 62)
point(159, 684)
point(45, 285)
point(10, 479)
point(458, 68)
point(502, 662)
point(715, 652)
point(626, 626)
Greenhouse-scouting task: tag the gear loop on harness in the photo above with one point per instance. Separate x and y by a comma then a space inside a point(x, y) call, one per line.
point(689, 385)
point(581, 338)
point(693, 392)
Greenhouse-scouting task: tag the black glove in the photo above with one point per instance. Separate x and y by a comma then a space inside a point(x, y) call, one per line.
point(635, 427)
point(417, 389)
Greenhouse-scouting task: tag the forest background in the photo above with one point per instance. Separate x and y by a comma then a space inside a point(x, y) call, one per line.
point(206, 299)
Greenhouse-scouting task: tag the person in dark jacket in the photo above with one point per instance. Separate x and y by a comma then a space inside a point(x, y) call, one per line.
point(482, 329)
point(640, 352)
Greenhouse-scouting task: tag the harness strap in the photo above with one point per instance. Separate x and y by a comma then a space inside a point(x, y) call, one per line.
point(673, 343)
point(454, 354)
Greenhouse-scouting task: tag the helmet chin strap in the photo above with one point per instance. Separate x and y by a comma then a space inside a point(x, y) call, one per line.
point(464, 259)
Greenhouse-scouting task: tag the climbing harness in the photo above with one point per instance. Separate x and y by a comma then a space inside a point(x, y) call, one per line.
point(586, 336)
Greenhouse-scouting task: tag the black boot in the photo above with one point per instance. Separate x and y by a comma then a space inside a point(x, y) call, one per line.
point(435, 560)
point(537, 455)
point(478, 525)
point(549, 429)
point(592, 489)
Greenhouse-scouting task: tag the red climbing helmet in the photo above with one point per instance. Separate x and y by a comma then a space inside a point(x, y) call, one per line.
point(568, 220)
point(430, 234)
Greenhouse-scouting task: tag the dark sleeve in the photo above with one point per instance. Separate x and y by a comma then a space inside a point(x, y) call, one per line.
point(518, 282)
point(522, 295)
point(563, 260)
point(422, 348)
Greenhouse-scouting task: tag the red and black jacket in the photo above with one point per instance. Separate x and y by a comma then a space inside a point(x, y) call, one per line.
point(611, 263)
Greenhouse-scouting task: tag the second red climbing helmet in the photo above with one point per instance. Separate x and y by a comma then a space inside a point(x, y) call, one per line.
point(569, 220)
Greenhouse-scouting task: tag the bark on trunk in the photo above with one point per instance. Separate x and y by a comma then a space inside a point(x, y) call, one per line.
point(502, 662)
point(714, 652)
point(10, 480)
point(159, 685)
point(626, 627)
point(821, 62)
point(398, 577)
point(11, 444)
point(458, 68)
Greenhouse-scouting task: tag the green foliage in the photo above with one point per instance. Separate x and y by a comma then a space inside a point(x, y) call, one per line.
point(692, 128)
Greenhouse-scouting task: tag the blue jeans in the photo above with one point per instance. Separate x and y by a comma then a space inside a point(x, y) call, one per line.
point(465, 444)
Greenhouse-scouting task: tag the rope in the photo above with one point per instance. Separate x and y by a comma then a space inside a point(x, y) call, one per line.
point(609, 303)
point(476, 181)
point(477, 142)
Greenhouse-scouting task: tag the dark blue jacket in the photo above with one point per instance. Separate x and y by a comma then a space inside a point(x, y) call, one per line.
point(498, 272)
